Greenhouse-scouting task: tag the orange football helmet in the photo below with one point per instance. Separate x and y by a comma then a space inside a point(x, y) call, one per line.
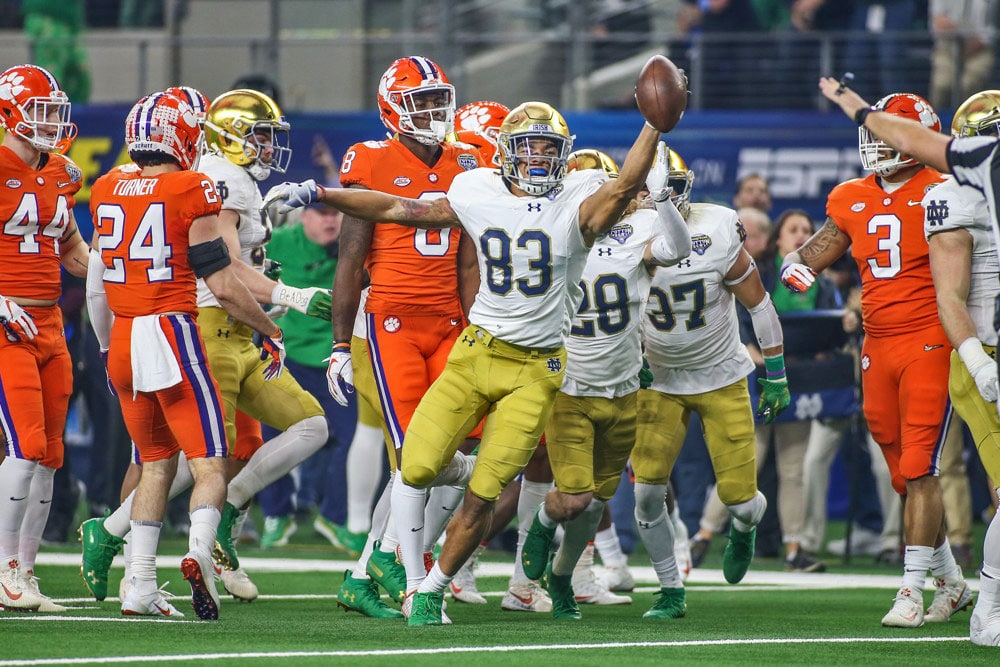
point(162, 123)
point(192, 96)
point(413, 89)
point(34, 107)
point(878, 156)
point(478, 124)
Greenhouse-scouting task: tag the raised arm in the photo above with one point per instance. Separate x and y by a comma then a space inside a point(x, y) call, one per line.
point(604, 208)
point(364, 205)
point(905, 135)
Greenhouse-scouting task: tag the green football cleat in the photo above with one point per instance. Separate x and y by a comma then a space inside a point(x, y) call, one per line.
point(535, 552)
point(738, 554)
point(225, 545)
point(390, 575)
point(361, 595)
point(427, 609)
point(99, 549)
point(560, 587)
point(671, 603)
point(277, 531)
point(341, 538)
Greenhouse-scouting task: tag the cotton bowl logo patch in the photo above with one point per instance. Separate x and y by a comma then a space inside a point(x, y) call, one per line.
point(401, 181)
point(467, 161)
point(391, 324)
point(75, 174)
point(13, 183)
point(621, 232)
point(858, 207)
point(700, 243)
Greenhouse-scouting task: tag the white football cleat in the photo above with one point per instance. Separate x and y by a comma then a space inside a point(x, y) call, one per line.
point(151, 604)
point(124, 586)
point(907, 611)
point(528, 596)
point(948, 600)
point(29, 582)
point(619, 578)
point(14, 596)
point(463, 585)
point(984, 628)
point(588, 590)
point(237, 583)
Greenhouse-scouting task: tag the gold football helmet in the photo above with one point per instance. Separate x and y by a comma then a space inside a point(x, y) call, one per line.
point(680, 179)
point(535, 144)
point(980, 114)
point(591, 158)
point(233, 124)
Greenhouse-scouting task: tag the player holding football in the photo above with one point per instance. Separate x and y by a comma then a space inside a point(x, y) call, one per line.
point(905, 354)
point(36, 373)
point(533, 227)
point(156, 231)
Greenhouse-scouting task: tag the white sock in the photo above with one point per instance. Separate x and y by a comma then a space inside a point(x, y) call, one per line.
point(578, 534)
point(916, 562)
point(609, 547)
point(442, 502)
point(435, 581)
point(276, 457)
point(127, 556)
point(204, 526)
point(528, 500)
point(380, 517)
point(655, 528)
point(991, 550)
point(748, 514)
point(37, 513)
point(364, 472)
point(408, 513)
point(943, 565)
point(667, 573)
point(145, 537)
point(182, 480)
point(15, 480)
point(117, 523)
point(544, 518)
point(389, 539)
point(680, 529)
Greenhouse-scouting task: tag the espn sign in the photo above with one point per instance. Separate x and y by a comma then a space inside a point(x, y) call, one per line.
point(800, 173)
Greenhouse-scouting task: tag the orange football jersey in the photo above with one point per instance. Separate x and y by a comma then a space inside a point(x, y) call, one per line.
point(412, 270)
point(35, 206)
point(143, 223)
point(887, 242)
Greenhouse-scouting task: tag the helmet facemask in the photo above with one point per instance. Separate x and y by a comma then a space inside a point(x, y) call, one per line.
point(273, 135)
point(879, 157)
point(535, 161)
point(432, 105)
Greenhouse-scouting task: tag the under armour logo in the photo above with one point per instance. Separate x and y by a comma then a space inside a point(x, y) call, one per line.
point(684, 264)
point(604, 252)
point(222, 333)
point(534, 206)
point(469, 340)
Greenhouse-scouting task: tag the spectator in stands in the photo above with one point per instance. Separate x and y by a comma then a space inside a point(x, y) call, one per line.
point(617, 30)
point(757, 225)
point(753, 191)
point(881, 46)
point(963, 48)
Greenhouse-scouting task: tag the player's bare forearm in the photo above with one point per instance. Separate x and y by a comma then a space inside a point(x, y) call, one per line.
point(355, 242)
point(951, 264)
point(237, 300)
point(74, 252)
point(382, 207)
point(905, 135)
point(822, 249)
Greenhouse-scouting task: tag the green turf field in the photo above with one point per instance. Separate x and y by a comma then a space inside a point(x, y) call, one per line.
point(772, 618)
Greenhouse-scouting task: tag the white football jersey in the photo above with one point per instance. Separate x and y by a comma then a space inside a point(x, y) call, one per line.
point(690, 328)
point(951, 206)
point(240, 193)
point(531, 254)
point(603, 350)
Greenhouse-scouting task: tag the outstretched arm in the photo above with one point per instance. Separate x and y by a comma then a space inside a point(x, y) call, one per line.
point(604, 208)
point(799, 268)
point(905, 135)
point(364, 205)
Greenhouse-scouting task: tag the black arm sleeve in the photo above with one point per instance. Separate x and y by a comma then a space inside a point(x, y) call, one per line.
point(209, 257)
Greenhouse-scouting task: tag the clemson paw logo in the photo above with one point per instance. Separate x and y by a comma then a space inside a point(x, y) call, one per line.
point(388, 81)
point(473, 118)
point(10, 86)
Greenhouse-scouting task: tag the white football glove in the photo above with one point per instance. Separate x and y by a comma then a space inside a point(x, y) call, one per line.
point(18, 324)
point(340, 373)
point(981, 367)
point(286, 196)
point(797, 277)
point(656, 179)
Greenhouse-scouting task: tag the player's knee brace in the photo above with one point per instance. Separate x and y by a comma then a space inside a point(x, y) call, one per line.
point(751, 511)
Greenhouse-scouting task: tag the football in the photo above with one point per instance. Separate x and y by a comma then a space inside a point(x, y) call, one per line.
point(661, 93)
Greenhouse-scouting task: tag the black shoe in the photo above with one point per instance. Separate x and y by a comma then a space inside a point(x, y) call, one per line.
point(803, 562)
point(699, 549)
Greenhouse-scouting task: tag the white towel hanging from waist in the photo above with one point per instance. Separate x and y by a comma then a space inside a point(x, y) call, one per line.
point(154, 365)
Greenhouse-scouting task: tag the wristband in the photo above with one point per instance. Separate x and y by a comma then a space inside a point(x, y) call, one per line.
point(775, 367)
point(861, 114)
point(342, 344)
